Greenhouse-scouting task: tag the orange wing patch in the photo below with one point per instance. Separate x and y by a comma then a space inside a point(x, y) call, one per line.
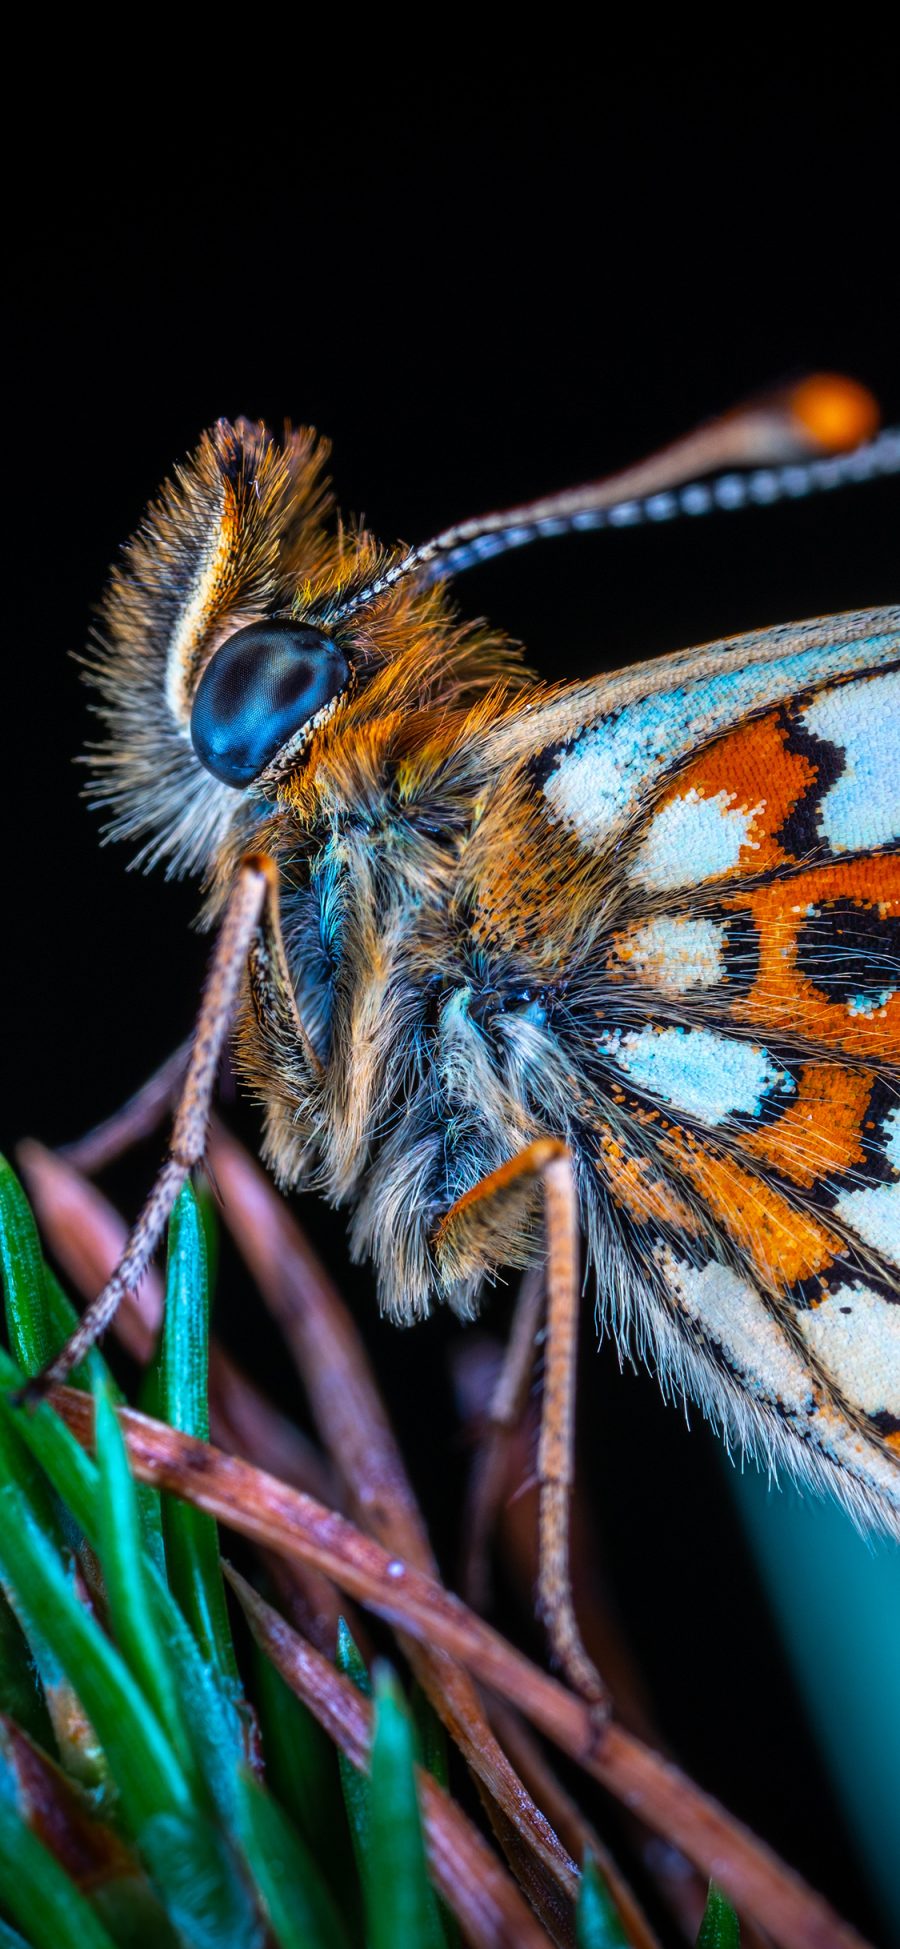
point(815, 976)
point(784, 1244)
point(743, 786)
point(759, 775)
point(819, 1133)
point(635, 1186)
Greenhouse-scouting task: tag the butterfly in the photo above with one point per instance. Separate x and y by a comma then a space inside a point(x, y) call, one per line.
point(518, 963)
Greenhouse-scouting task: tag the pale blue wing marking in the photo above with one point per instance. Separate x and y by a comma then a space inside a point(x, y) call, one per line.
point(707, 1075)
point(862, 808)
point(600, 775)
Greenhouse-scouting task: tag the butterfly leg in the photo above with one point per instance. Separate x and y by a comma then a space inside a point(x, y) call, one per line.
point(253, 899)
point(489, 1473)
point(481, 1210)
point(135, 1119)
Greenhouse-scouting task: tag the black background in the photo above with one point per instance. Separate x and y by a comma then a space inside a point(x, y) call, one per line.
point(482, 286)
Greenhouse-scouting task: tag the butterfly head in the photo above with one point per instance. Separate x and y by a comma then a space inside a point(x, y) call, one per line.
point(244, 633)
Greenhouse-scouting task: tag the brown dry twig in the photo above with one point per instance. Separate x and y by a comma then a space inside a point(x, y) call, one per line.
point(269, 1512)
point(353, 1423)
point(136, 1118)
point(86, 1234)
point(576, 1831)
point(471, 1880)
point(511, 1505)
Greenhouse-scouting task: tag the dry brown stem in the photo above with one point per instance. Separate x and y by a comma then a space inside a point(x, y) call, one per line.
point(271, 1513)
point(353, 1423)
point(485, 1901)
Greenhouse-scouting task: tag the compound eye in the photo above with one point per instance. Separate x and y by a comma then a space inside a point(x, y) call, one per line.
point(264, 684)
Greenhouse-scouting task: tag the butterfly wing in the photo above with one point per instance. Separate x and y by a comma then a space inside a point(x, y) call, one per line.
point(726, 838)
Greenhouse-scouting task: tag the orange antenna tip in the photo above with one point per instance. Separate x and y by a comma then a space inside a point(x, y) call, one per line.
point(837, 413)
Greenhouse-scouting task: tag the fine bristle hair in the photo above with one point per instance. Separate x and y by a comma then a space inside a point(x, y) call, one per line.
point(227, 539)
point(238, 533)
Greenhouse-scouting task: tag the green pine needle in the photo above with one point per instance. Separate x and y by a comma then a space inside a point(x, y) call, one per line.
point(192, 1543)
point(720, 1928)
point(598, 1924)
point(117, 1661)
point(401, 1907)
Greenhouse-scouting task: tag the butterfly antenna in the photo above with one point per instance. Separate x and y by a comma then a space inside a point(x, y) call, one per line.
point(803, 439)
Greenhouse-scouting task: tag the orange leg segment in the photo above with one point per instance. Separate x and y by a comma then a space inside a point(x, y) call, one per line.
point(550, 1161)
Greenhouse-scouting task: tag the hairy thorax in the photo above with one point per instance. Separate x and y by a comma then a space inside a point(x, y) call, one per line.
point(430, 987)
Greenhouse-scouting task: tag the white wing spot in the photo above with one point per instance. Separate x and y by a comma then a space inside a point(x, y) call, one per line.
point(856, 1335)
point(595, 780)
point(693, 839)
point(862, 807)
point(731, 1314)
point(674, 953)
point(709, 1076)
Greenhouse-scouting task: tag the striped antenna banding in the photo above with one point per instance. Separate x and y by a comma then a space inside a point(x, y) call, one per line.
point(589, 508)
